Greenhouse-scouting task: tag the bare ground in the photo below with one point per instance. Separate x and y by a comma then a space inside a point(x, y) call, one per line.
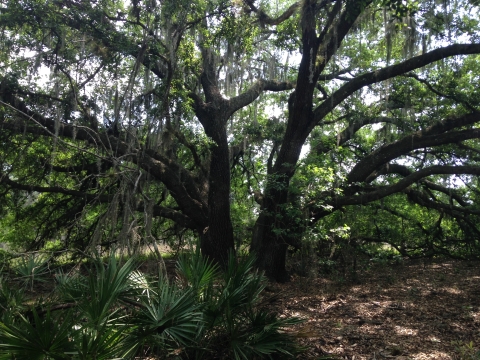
point(407, 311)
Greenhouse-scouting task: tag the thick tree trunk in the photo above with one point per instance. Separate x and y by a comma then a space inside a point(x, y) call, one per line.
point(270, 239)
point(270, 249)
point(218, 241)
point(217, 238)
point(273, 228)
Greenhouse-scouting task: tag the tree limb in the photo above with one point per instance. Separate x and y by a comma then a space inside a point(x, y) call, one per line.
point(352, 128)
point(183, 190)
point(402, 184)
point(439, 93)
point(254, 92)
point(387, 73)
point(265, 19)
point(434, 135)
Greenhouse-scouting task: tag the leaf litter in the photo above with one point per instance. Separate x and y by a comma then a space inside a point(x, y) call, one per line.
point(410, 311)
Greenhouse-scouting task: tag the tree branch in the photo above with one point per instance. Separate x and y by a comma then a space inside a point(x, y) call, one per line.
point(112, 39)
point(196, 158)
point(387, 73)
point(158, 210)
point(439, 93)
point(183, 189)
point(434, 135)
point(404, 171)
point(352, 128)
point(264, 19)
point(402, 184)
point(421, 199)
point(254, 92)
point(333, 34)
point(5, 180)
point(326, 77)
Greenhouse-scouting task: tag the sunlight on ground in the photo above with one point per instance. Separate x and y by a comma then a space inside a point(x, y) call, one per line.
point(434, 339)
point(451, 290)
point(356, 289)
point(434, 355)
point(401, 330)
point(430, 314)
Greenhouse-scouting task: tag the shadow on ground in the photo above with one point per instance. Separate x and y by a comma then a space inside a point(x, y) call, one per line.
point(408, 311)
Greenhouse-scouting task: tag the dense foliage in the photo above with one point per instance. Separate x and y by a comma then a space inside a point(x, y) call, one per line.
point(315, 124)
point(112, 310)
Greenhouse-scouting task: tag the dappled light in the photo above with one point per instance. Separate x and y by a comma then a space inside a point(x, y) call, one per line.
point(388, 314)
point(450, 290)
point(239, 179)
point(431, 355)
point(402, 330)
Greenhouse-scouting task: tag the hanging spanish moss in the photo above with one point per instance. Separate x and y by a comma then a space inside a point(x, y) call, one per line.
point(255, 110)
point(411, 37)
point(56, 89)
point(284, 74)
point(447, 17)
point(272, 67)
point(389, 29)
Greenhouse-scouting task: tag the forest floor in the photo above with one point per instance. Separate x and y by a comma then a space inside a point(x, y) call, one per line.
point(402, 311)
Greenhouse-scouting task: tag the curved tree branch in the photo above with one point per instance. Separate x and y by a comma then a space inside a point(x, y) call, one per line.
point(381, 192)
point(254, 92)
point(161, 211)
point(439, 93)
point(265, 19)
point(434, 135)
point(404, 171)
point(183, 188)
point(423, 200)
point(387, 73)
point(352, 128)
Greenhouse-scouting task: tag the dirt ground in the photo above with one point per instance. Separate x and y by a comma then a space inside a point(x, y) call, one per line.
point(402, 311)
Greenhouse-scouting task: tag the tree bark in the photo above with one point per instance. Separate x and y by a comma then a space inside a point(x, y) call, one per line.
point(269, 240)
point(217, 241)
point(269, 248)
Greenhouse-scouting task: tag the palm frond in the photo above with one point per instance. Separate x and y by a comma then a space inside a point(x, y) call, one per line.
point(169, 319)
point(34, 340)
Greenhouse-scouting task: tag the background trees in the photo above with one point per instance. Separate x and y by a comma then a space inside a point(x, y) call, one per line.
point(125, 123)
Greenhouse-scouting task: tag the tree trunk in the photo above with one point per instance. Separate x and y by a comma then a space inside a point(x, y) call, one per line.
point(274, 225)
point(213, 113)
point(270, 249)
point(218, 241)
point(271, 235)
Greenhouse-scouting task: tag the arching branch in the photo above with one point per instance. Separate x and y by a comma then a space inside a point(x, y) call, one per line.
point(178, 180)
point(160, 211)
point(265, 19)
point(377, 193)
point(353, 128)
point(251, 94)
point(387, 73)
point(434, 135)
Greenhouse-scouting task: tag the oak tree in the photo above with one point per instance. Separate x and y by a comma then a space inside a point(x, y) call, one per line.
point(122, 121)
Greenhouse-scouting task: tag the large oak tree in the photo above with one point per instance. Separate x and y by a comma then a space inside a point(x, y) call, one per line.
point(117, 118)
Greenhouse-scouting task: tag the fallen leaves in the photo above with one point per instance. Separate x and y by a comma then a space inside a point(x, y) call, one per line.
point(401, 312)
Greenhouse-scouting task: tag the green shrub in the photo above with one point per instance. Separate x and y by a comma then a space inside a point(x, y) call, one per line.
point(115, 311)
point(233, 321)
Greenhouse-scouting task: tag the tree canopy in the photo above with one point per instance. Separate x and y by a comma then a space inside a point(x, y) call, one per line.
point(265, 122)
